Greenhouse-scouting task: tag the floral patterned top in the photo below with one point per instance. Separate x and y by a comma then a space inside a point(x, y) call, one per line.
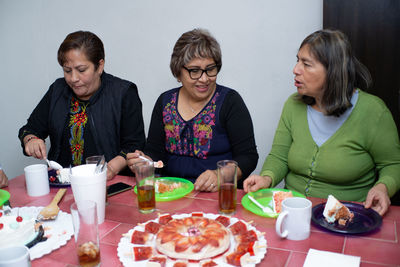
point(77, 122)
point(221, 130)
point(190, 138)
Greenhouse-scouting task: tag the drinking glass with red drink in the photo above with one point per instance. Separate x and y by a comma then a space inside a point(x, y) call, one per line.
point(145, 185)
point(227, 186)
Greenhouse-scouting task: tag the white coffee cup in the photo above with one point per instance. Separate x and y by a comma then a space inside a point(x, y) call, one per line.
point(294, 219)
point(37, 180)
point(86, 185)
point(16, 256)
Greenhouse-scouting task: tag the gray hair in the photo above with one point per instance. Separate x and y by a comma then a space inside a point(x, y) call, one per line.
point(343, 71)
point(197, 43)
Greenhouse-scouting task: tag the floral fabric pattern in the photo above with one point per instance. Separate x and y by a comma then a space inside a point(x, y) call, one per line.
point(190, 138)
point(77, 123)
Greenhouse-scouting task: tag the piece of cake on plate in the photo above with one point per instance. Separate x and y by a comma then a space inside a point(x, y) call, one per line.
point(16, 230)
point(278, 197)
point(336, 211)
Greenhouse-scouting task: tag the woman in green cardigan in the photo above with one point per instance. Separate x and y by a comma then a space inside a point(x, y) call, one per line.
point(332, 137)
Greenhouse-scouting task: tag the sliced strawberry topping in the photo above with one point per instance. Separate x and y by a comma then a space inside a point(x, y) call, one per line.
point(161, 260)
point(164, 219)
point(152, 227)
point(209, 264)
point(225, 221)
point(238, 228)
point(234, 258)
point(182, 244)
point(142, 253)
point(139, 237)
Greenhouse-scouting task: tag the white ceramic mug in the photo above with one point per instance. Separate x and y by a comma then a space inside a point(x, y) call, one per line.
point(17, 256)
point(37, 180)
point(294, 221)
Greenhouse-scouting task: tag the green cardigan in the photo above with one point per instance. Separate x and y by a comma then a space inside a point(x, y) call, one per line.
point(346, 164)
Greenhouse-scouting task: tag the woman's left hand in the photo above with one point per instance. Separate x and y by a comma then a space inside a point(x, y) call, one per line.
point(378, 199)
point(207, 181)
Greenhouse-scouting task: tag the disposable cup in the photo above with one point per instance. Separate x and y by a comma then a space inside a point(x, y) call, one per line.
point(86, 185)
point(37, 180)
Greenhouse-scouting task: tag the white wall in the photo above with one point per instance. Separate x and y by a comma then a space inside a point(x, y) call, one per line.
point(259, 41)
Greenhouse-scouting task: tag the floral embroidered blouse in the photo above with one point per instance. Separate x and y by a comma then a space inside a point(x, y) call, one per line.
point(221, 130)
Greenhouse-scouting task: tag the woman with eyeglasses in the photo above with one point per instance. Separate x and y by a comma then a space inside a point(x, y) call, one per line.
point(201, 122)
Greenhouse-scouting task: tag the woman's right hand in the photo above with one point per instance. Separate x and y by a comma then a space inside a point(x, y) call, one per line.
point(132, 158)
point(35, 147)
point(255, 182)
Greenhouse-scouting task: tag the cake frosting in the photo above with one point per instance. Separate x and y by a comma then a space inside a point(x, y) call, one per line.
point(336, 211)
point(63, 176)
point(16, 230)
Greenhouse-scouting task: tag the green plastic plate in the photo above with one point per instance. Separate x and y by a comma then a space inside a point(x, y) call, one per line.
point(264, 196)
point(4, 197)
point(177, 193)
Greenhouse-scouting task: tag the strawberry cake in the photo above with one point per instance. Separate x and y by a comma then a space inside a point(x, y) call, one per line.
point(278, 197)
point(192, 238)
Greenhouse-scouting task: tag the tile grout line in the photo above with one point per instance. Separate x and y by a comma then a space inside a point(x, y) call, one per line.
point(289, 258)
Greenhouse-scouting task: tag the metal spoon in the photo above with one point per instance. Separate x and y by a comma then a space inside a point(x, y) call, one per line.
point(54, 165)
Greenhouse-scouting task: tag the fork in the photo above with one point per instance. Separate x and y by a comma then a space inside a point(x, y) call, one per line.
point(264, 209)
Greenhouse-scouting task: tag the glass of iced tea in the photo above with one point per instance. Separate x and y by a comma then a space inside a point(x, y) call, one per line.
point(227, 186)
point(145, 186)
point(84, 218)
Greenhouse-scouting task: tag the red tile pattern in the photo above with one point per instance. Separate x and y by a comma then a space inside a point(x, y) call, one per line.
point(381, 248)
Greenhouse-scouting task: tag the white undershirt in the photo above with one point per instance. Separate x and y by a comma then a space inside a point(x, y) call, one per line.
point(322, 127)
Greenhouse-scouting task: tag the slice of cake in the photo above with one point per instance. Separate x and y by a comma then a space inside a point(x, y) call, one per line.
point(336, 211)
point(278, 197)
point(16, 230)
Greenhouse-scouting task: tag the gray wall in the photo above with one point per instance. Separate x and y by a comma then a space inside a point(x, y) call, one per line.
point(259, 41)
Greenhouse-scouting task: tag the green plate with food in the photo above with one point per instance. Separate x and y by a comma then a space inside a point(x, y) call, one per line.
point(4, 197)
point(268, 197)
point(171, 188)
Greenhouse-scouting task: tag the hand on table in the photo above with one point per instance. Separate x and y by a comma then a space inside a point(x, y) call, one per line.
point(378, 199)
point(3, 179)
point(255, 182)
point(207, 181)
point(35, 147)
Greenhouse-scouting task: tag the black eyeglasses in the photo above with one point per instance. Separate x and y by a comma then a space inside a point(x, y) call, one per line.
point(196, 73)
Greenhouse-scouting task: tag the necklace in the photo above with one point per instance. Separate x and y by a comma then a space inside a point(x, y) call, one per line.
point(191, 109)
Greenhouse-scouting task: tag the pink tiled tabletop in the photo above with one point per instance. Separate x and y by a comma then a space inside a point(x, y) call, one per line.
point(380, 248)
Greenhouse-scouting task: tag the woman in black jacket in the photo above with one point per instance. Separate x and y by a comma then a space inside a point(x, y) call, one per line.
point(88, 112)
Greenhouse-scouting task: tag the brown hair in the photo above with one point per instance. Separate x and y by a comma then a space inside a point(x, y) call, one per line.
point(343, 71)
point(87, 42)
point(197, 43)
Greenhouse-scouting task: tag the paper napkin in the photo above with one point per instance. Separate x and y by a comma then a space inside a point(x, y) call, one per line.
point(330, 259)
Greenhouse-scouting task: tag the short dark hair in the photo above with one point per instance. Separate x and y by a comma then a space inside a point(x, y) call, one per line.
point(343, 71)
point(197, 43)
point(87, 42)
